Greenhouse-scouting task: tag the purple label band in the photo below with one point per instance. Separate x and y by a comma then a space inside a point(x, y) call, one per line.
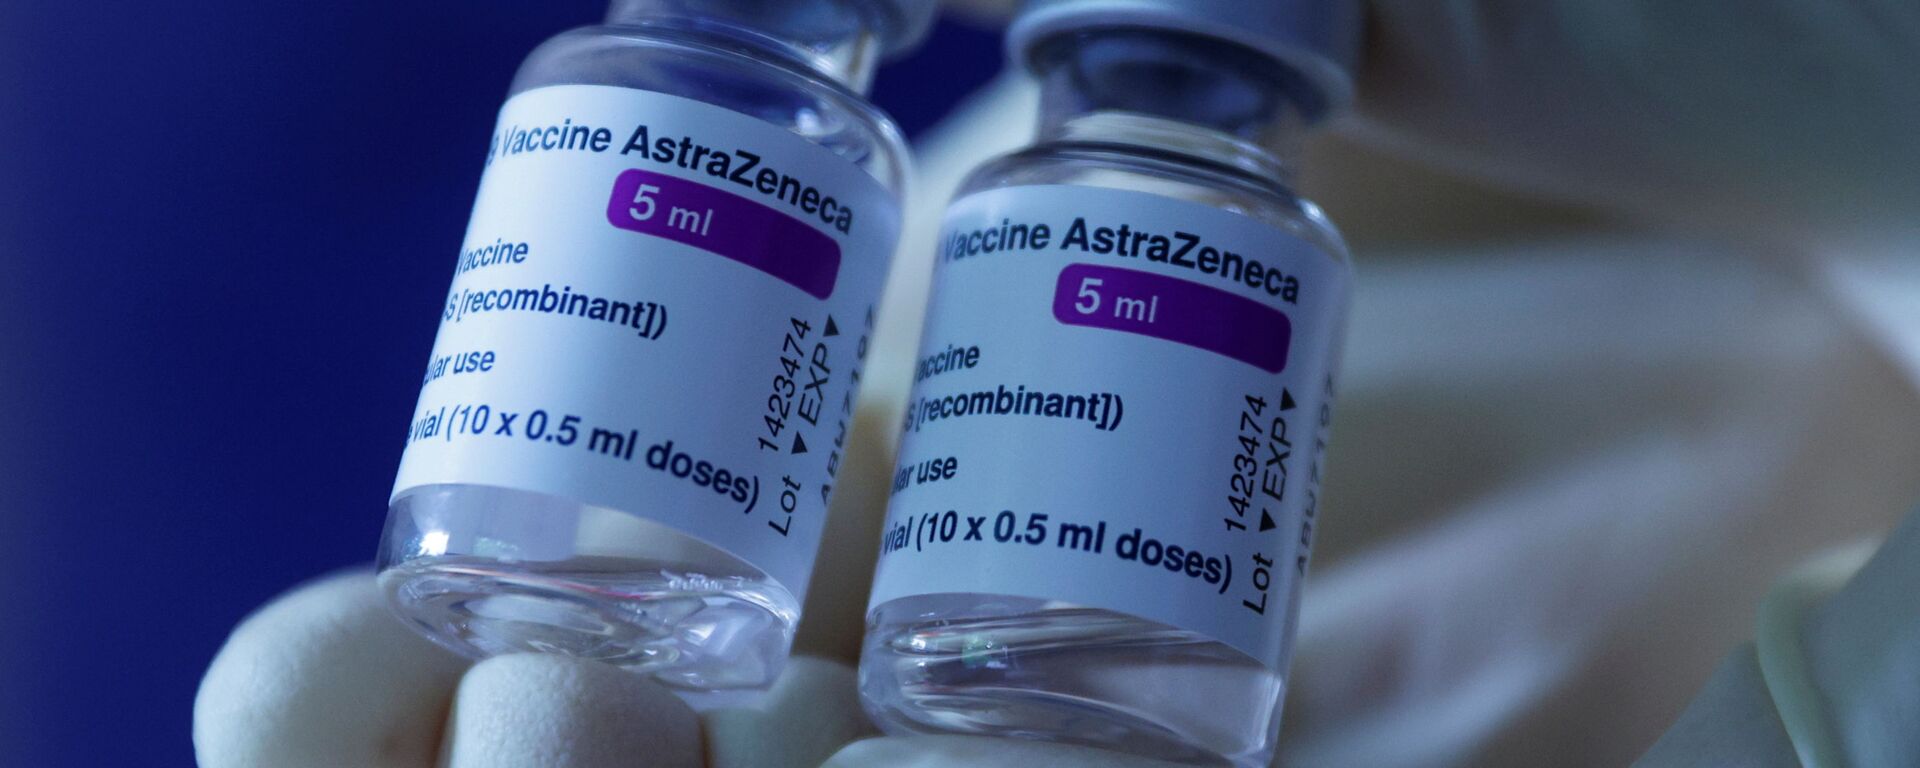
point(1175, 310)
point(726, 224)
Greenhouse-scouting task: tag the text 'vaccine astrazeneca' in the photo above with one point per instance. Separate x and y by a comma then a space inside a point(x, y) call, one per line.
point(627, 430)
point(1112, 459)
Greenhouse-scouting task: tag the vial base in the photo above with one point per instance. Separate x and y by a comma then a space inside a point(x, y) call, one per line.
point(486, 571)
point(1016, 667)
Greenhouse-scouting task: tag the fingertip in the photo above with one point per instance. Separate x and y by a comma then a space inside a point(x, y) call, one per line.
point(836, 608)
point(812, 711)
point(559, 712)
point(324, 676)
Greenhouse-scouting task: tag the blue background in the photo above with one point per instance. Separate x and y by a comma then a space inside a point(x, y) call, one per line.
point(227, 226)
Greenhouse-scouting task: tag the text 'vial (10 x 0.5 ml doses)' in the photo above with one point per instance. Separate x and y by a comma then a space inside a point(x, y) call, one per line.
point(1112, 459)
point(683, 226)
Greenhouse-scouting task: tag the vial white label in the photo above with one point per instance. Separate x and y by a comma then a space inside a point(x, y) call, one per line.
point(662, 307)
point(1121, 403)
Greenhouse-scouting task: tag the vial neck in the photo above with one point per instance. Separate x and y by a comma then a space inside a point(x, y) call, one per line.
point(1168, 93)
point(833, 38)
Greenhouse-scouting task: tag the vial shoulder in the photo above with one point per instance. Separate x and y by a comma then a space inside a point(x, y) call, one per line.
point(711, 71)
point(1266, 200)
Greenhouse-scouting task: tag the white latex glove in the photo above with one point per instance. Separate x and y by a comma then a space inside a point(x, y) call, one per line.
point(325, 676)
point(1858, 657)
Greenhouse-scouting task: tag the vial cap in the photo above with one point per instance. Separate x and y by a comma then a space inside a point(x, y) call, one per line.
point(904, 23)
point(1318, 39)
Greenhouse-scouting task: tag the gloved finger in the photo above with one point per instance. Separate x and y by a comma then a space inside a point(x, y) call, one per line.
point(1832, 678)
point(324, 676)
point(812, 711)
point(1777, 114)
point(1863, 652)
point(978, 752)
point(1731, 722)
point(834, 617)
point(560, 712)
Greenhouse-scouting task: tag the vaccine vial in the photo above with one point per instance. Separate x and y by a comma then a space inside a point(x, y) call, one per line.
point(632, 416)
point(1112, 459)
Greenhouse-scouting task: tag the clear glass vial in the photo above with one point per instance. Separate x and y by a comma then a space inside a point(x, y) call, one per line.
point(1167, 100)
point(487, 570)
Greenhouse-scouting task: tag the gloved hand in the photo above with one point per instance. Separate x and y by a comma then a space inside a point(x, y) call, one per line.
point(326, 676)
point(1552, 506)
point(1833, 680)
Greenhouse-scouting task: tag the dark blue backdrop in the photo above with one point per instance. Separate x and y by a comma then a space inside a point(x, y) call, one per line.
point(227, 225)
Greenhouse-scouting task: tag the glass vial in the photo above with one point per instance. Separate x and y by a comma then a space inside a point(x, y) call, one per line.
point(625, 439)
point(1109, 479)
